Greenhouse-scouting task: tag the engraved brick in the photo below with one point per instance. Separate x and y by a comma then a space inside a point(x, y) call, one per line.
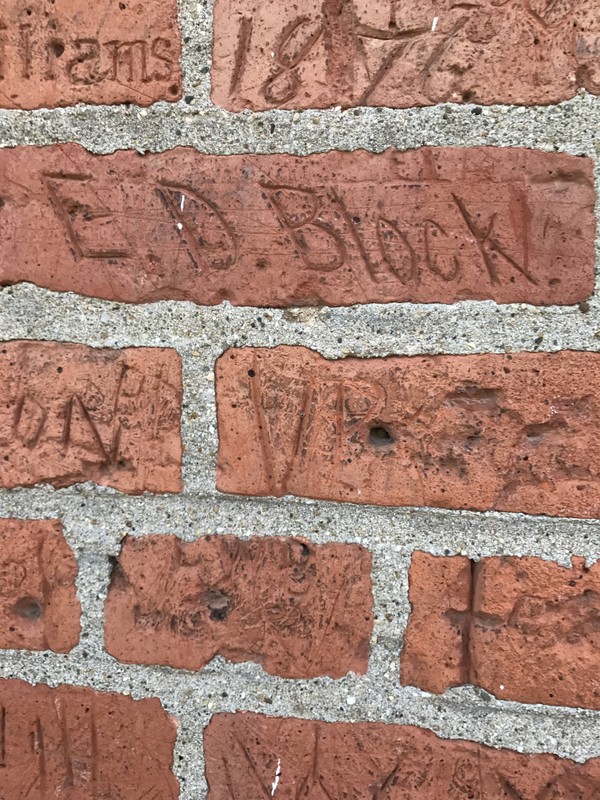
point(507, 432)
point(273, 54)
point(523, 629)
point(299, 609)
point(247, 754)
point(77, 743)
point(39, 609)
point(429, 225)
point(62, 52)
point(73, 413)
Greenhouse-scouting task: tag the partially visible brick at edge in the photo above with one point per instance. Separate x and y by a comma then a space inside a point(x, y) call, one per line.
point(429, 225)
point(276, 54)
point(39, 609)
point(72, 742)
point(299, 609)
point(507, 432)
point(62, 52)
point(245, 751)
point(72, 413)
point(524, 629)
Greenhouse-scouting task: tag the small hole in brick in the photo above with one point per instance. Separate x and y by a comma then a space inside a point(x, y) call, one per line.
point(251, 373)
point(174, 89)
point(57, 48)
point(28, 608)
point(380, 436)
point(122, 6)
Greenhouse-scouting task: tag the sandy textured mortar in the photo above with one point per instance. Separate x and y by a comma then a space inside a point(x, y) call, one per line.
point(95, 520)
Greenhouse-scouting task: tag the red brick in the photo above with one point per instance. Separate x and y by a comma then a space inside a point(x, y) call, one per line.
point(522, 628)
point(61, 52)
point(430, 225)
point(244, 752)
point(299, 609)
point(269, 54)
point(506, 432)
point(39, 609)
point(73, 413)
point(72, 742)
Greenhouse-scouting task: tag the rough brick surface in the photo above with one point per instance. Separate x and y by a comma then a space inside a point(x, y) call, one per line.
point(273, 54)
point(300, 610)
point(39, 609)
point(244, 752)
point(62, 52)
point(507, 432)
point(522, 628)
point(430, 225)
point(72, 742)
point(73, 413)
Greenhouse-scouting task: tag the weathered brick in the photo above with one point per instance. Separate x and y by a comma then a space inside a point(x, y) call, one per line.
point(508, 432)
point(39, 609)
point(273, 54)
point(299, 609)
point(73, 413)
point(62, 52)
point(76, 743)
point(430, 225)
point(521, 628)
point(248, 754)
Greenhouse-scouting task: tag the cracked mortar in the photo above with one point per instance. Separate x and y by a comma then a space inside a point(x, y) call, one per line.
point(96, 519)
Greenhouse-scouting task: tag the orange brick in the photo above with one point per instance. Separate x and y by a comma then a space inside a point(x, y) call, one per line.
point(39, 609)
point(62, 52)
point(506, 432)
point(299, 609)
point(73, 413)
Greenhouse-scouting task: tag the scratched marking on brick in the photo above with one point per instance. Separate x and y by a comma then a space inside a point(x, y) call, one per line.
point(430, 225)
point(76, 743)
point(524, 629)
point(39, 609)
point(273, 54)
point(359, 760)
point(507, 432)
point(300, 610)
point(62, 52)
point(73, 413)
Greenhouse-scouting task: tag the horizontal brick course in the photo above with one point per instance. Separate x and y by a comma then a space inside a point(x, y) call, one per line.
point(77, 743)
point(429, 225)
point(64, 52)
point(524, 629)
point(300, 610)
point(506, 432)
point(39, 609)
point(246, 754)
point(272, 54)
point(73, 413)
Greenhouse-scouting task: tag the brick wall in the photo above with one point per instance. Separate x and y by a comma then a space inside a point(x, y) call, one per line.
point(300, 400)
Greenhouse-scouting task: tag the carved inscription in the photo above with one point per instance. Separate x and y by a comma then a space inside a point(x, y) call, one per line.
point(300, 610)
point(72, 52)
point(512, 433)
point(340, 228)
point(74, 742)
point(71, 413)
point(359, 760)
point(39, 609)
point(522, 628)
point(386, 53)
